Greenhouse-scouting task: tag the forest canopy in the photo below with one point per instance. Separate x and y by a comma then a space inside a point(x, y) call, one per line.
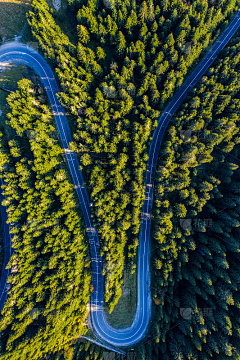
point(50, 267)
point(130, 59)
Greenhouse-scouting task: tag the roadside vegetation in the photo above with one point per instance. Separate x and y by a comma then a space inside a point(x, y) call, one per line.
point(123, 313)
point(195, 230)
point(129, 60)
point(8, 81)
point(9, 29)
point(50, 281)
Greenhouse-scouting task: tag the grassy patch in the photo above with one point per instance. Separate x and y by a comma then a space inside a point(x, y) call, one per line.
point(13, 20)
point(13, 17)
point(123, 313)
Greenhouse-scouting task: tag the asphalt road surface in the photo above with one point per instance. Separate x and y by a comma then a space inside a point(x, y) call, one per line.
point(15, 52)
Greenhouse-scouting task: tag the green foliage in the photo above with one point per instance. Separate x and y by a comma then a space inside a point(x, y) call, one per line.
point(129, 61)
point(195, 265)
point(50, 280)
point(195, 262)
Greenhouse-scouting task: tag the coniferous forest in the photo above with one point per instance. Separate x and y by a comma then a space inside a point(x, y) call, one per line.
point(130, 59)
point(50, 279)
point(127, 64)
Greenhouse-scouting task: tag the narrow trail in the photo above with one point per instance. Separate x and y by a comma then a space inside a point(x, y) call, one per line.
point(15, 52)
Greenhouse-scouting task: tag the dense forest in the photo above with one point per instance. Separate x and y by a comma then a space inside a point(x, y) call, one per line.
point(195, 229)
point(128, 62)
point(130, 59)
point(50, 268)
point(196, 261)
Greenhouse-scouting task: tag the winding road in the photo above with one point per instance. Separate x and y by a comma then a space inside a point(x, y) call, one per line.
point(14, 52)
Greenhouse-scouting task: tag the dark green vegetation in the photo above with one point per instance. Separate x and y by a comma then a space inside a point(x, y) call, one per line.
point(195, 263)
point(129, 60)
point(198, 266)
point(50, 279)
